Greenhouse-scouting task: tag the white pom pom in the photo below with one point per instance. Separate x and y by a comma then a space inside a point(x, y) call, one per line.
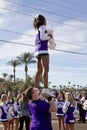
point(51, 42)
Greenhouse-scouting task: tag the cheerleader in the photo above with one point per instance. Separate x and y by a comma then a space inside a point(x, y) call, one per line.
point(59, 113)
point(68, 109)
point(10, 104)
point(41, 52)
point(17, 111)
point(4, 111)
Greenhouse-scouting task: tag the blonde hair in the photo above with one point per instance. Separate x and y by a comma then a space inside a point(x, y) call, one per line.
point(69, 97)
point(3, 97)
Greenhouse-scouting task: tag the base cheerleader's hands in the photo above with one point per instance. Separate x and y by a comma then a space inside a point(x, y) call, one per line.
point(51, 41)
point(44, 96)
point(11, 111)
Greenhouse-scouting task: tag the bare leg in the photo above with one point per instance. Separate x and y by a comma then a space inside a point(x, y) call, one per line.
point(63, 123)
point(59, 123)
point(5, 125)
point(16, 124)
point(11, 123)
point(38, 73)
point(66, 127)
point(71, 127)
point(45, 65)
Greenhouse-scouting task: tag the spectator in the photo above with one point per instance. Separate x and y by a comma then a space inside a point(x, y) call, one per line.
point(17, 111)
point(25, 113)
point(82, 112)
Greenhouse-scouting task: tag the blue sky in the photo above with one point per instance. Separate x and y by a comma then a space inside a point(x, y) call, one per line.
point(68, 19)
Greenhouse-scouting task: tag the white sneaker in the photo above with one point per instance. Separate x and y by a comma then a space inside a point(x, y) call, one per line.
point(48, 92)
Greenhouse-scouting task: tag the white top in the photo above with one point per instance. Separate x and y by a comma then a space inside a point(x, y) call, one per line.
point(43, 34)
point(65, 106)
point(5, 108)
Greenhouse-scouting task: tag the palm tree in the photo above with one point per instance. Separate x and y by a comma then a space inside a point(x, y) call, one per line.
point(69, 84)
point(78, 86)
point(14, 63)
point(60, 86)
point(26, 58)
point(4, 75)
point(74, 85)
point(54, 87)
point(11, 76)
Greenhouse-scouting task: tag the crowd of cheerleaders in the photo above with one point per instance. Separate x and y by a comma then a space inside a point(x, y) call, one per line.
point(68, 107)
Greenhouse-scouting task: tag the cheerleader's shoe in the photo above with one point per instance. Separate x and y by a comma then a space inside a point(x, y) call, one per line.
point(47, 92)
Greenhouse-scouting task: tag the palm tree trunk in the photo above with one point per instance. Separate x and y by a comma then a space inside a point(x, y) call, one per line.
point(14, 74)
point(26, 70)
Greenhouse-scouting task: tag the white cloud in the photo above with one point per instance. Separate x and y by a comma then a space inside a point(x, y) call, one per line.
point(13, 49)
point(1, 21)
point(3, 4)
point(62, 33)
point(4, 13)
point(70, 34)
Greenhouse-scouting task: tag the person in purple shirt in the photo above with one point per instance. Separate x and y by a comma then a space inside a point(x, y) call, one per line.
point(41, 51)
point(40, 110)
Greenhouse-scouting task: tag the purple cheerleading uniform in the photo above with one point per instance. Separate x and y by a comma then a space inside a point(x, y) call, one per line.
point(4, 109)
point(86, 115)
point(41, 45)
point(69, 116)
point(10, 104)
point(16, 109)
point(41, 117)
point(59, 105)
